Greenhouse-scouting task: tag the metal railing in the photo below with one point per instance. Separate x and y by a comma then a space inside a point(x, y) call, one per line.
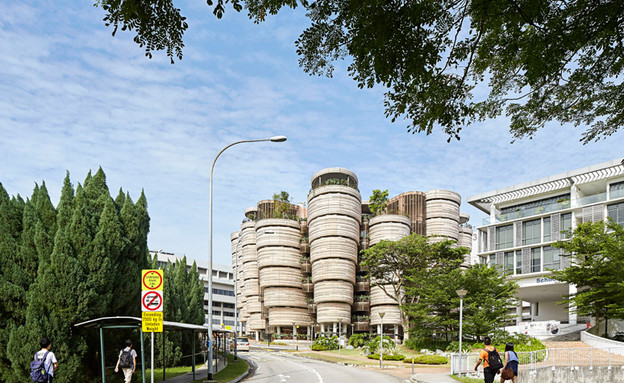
point(550, 358)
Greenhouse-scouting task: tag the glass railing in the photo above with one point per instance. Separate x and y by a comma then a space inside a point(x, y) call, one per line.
point(521, 213)
point(616, 193)
point(600, 197)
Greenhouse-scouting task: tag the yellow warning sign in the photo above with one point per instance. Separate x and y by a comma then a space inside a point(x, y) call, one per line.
point(152, 280)
point(152, 321)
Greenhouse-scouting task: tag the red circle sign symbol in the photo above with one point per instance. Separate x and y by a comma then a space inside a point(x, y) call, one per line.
point(152, 275)
point(152, 301)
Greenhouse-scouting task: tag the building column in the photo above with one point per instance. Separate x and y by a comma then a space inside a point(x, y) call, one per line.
point(322, 328)
point(492, 213)
point(572, 319)
point(278, 329)
point(309, 332)
point(518, 312)
point(294, 332)
point(396, 333)
point(257, 336)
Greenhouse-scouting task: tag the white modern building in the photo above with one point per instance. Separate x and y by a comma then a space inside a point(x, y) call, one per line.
point(223, 293)
point(525, 219)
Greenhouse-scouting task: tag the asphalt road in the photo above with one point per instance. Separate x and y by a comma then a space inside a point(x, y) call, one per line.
point(275, 367)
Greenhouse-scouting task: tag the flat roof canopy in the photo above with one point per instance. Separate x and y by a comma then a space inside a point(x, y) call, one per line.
point(105, 322)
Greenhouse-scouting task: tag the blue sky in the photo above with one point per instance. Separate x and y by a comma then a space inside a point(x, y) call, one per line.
point(74, 98)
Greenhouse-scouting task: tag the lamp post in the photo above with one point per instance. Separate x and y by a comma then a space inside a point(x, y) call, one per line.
point(461, 294)
point(235, 307)
point(272, 139)
point(381, 315)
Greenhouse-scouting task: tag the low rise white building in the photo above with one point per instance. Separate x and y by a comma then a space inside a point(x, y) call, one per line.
point(526, 219)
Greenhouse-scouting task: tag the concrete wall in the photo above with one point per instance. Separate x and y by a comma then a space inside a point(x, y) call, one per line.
point(576, 375)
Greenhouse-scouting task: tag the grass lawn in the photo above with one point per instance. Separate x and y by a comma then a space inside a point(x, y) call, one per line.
point(464, 379)
point(170, 371)
point(233, 370)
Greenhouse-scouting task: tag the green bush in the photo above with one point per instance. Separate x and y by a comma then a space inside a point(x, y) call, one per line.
point(388, 345)
point(325, 343)
point(454, 347)
point(522, 343)
point(387, 357)
point(359, 340)
point(428, 359)
point(418, 344)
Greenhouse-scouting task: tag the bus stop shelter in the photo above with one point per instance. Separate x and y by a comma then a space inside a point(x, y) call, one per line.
point(119, 322)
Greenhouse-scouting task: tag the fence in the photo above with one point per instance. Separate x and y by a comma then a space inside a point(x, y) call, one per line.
point(554, 357)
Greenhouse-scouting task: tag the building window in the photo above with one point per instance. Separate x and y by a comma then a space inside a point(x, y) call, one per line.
point(616, 213)
point(492, 260)
point(536, 260)
point(547, 229)
point(551, 258)
point(518, 262)
point(616, 190)
point(566, 225)
point(531, 232)
point(509, 262)
point(215, 312)
point(228, 314)
point(504, 237)
point(223, 292)
point(228, 305)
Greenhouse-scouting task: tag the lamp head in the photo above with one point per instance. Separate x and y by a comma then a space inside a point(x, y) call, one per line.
point(382, 314)
point(461, 293)
point(278, 139)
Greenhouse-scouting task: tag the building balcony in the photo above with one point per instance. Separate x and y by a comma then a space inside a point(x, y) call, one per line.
point(362, 268)
point(308, 287)
point(363, 306)
point(362, 286)
point(361, 325)
point(312, 307)
point(306, 268)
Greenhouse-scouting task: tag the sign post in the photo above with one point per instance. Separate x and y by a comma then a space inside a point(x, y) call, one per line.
point(152, 302)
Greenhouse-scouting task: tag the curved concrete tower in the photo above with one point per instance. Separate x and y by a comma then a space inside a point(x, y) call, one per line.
point(443, 215)
point(251, 289)
point(465, 236)
point(334, 217)
point(238, 272)
point(279, 266)
point(389, 227)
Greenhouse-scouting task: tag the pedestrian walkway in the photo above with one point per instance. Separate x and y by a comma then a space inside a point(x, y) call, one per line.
point(432, 378)
point(201, 372)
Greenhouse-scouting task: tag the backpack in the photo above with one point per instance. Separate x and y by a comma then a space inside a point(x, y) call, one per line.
point(494, 359)
point(125, 359)
point(38, 372)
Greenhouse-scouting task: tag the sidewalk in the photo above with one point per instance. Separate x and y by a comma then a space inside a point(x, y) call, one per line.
point(432, 378)
point(201, 372)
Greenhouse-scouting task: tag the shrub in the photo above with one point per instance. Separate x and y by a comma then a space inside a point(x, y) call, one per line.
point(325, 343)
point(418, 344)
point(387, 357)
point(388, 345)
point(359, 340)
point(427, 359)
point(454, 347)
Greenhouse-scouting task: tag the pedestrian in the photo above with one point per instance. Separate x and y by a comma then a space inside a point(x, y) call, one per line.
point(491, 361)
point(50, 363)
point(127, 361)
point(511, 361)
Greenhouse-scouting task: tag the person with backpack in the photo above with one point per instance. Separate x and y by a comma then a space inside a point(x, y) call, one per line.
point(511, 362)
point(127, 361)
point(44, 365)
point(491, 361)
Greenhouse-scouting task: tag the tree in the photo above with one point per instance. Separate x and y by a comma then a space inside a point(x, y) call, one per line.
point(486, 305)
point(543, 60)
point(596, 252)
point(281, 204)
point(402, 268)
point(377, 201)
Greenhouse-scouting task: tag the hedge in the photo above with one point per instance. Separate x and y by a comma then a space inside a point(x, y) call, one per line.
point(427, 359)
point(387, 357)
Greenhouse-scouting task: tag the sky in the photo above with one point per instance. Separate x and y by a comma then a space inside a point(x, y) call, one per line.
point(73, 99)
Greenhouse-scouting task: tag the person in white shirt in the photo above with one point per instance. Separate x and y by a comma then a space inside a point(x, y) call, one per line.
point(127, 361)
point(50, 363)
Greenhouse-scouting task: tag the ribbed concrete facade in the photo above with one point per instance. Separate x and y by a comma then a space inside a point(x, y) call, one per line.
point(443, 215)
point(251, 288)
point(280, 276)
point(334, 217)
point(300, 271)
point(388, 227)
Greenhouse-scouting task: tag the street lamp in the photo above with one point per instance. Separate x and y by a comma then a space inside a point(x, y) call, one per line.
point(235, 306)
point(272, 139)
point(381, 315)
point(461, 294)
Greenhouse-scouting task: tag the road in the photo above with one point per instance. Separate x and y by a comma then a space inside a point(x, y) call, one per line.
point(275, 367)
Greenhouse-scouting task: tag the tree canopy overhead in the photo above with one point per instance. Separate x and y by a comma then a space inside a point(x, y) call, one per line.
point(542, 60)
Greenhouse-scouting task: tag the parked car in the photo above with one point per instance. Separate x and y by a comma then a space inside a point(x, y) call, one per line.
point(242, 344)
